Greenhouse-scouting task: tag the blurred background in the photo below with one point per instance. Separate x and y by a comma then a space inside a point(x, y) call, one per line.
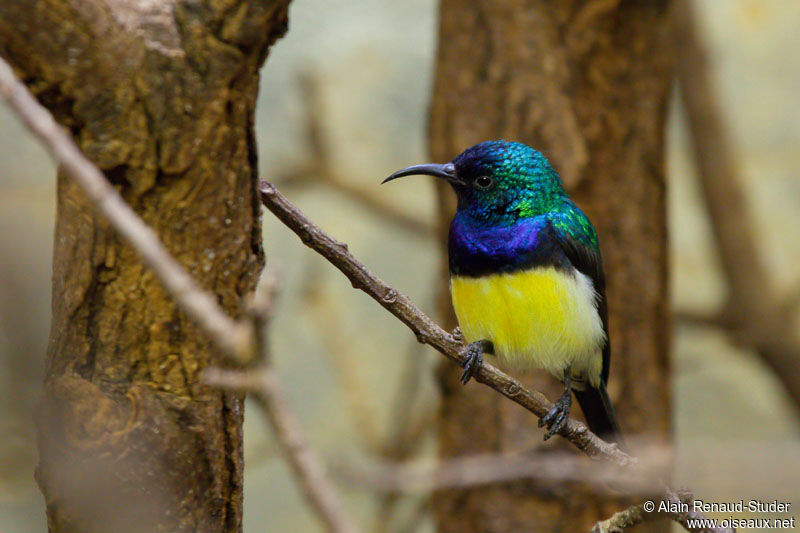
point(343, 103)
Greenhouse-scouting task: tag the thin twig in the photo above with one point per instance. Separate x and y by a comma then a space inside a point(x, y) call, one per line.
point(632, 516)
point(468, 472)
point(264, 388)
point(227, 334)
point(408, 422)
point(262, 385)
point(338, 351)
point(426, 330)
point(709, 320)
point(683, 517)
point(678, 508)
point(409, 426)
point(236, 339)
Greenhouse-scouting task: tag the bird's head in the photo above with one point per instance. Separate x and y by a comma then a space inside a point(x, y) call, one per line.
point(497, 182)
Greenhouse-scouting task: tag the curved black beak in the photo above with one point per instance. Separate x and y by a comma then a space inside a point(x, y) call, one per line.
point(446, 171)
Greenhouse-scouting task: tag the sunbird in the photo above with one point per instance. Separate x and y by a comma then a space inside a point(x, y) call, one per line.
point(526, 276)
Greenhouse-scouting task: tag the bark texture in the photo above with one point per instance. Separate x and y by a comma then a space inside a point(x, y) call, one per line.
point(161, 96)
point(587, 83)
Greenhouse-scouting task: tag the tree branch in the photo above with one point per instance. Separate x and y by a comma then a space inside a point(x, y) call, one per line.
point(262, 386)
point(228, 335)
point(410, 420)
point(632, 516)
point(236, 338)
point(426, 330)
point(344, 367)
point(636, 514)
point(547, 470)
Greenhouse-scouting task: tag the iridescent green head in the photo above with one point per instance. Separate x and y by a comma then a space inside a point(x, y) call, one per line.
point(498, 182)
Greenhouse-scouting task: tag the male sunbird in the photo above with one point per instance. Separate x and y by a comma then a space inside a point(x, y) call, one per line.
point(526, 277)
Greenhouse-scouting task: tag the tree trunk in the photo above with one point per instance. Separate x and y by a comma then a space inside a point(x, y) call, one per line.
point(587, 83)
point(161, 96)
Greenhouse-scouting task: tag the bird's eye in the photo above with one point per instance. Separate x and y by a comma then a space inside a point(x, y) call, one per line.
point(484, 182)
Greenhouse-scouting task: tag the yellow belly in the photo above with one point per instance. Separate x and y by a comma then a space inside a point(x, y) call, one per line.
point(538, 318)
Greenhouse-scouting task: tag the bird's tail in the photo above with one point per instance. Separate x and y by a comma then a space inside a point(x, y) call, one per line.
point(599, 413)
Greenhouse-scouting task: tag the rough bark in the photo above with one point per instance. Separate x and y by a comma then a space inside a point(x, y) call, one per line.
point(161, 96)
point(588, 84)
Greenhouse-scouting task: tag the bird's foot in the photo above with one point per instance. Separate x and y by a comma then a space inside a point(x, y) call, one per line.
point(559, 414)
point(473, 359)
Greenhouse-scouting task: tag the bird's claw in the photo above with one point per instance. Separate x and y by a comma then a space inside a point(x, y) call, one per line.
point(473, 359)
point(557, 417)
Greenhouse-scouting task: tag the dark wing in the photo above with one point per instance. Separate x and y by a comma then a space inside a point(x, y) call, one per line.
point(586, 259)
